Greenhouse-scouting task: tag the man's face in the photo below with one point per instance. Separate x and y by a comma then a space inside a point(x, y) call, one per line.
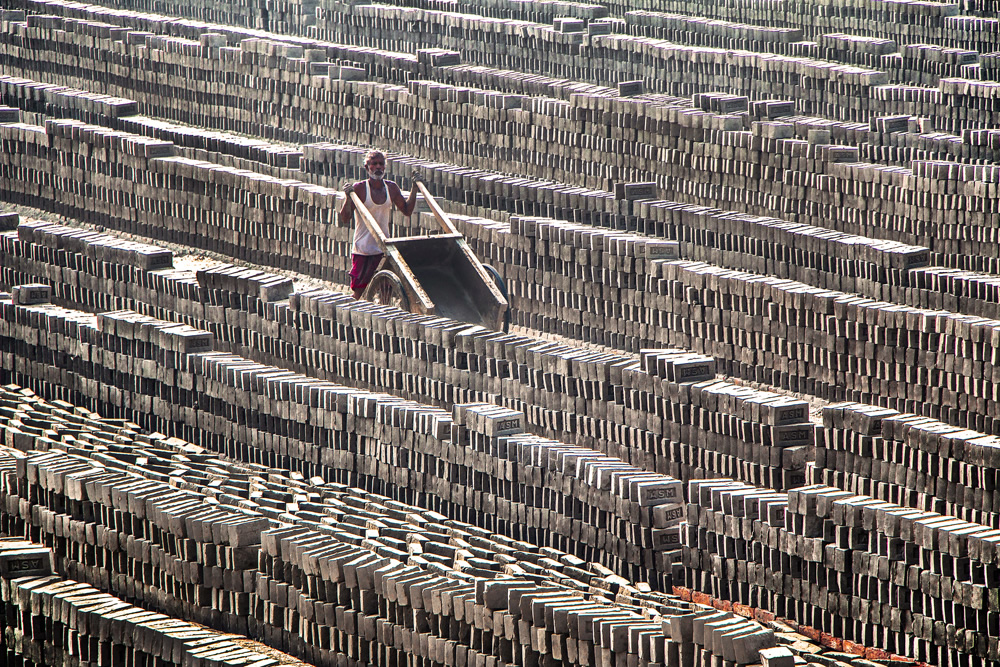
point(376, 168)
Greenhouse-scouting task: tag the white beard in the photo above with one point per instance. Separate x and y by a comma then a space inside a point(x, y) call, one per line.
point(376, 177)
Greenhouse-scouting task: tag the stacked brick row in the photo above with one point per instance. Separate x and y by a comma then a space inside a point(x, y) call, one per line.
point(951, 104)
point(337, 568)
point(927, 64)
point(660, 218)
point(223, 148)
point(860, 50)
point(678, 70)
point(955, 105)
point(664, 66)
point(671, 68)
point(547, 11)
point(834, 345)
point(498, 605)
point(902, 147)
point(53, 620)
point(385, 27)
point(247, 15)
point(519, 618)
point(135, 184)
point(616, 403)
point(67, 260)
point(897, 202)
point(934, 23)
point(915, 64)
point(145, 541)
point(150, 503)
point(849, 566)
point(270, 416)
point(701, 31)
point(50, 100)
point(646, 506)
point(620, 263)
point(676, 334)
point(909, 460)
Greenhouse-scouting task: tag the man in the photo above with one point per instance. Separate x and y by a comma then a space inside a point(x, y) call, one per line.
point(379, 196)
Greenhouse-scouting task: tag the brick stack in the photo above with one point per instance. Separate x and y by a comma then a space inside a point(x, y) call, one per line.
point(387, 18)
point(898, 199)
point(719, 545)
point(345, 573)
point(927, 64)
point(909, 460)
point(166, 377)
point(930, 281)
point(857, 569)
point(51, 620)
point(860, 50)
point(627, 518)
point(322, 334)
point(818, 366)
point(173, 198)
point(905, 23)
point(697, 30)
point(145, 541)
point(222, 148)
point(239, 362)
point(547, 11)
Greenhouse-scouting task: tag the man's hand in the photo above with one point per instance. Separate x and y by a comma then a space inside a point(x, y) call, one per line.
point(416, 176)
point(348, 188)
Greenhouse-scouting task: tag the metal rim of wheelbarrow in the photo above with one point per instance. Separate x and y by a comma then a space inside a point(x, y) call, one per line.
point(502, 286)
point(386, 289)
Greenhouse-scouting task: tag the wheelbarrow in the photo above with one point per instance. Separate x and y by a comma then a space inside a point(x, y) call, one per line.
point(435, 274)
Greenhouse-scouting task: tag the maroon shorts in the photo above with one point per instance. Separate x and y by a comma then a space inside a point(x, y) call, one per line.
point(363, 267)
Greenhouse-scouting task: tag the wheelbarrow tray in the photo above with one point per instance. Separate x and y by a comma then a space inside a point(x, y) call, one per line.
point(442, 276)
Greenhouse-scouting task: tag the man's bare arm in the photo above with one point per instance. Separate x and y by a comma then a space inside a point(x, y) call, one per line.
point(405, 205)
point(348, 210)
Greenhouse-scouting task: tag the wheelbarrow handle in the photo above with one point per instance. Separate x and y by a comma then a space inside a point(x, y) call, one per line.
point(436, 210)
point(368, 220)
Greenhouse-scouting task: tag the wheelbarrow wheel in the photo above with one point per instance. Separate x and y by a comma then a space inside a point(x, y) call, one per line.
point(386, 289)
point(502, 286)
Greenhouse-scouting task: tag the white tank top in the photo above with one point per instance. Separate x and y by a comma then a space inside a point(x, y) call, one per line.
point(364, 242)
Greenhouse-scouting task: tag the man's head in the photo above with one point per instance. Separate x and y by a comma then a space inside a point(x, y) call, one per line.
point(375, 164)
